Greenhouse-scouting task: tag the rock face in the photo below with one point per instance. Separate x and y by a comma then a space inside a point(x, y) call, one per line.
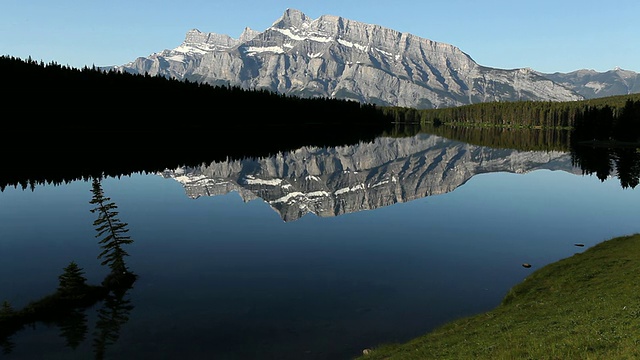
point(338, 180)
point(592, 84)
point(336, 57)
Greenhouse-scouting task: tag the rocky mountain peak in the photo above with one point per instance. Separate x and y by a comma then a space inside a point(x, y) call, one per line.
point(622, 73)
point(335, 57)
point(248, 34)
point(291, 18)
point(199, 42)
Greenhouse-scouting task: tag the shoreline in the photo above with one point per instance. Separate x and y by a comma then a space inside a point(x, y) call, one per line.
point(582, 306)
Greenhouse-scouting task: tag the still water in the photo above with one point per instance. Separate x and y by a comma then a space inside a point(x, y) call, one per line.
point(317, 253)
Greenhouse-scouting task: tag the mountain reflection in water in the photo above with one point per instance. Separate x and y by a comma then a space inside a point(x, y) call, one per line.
point(338, 180)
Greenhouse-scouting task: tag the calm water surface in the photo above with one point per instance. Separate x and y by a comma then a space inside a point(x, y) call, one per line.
point(261, 276)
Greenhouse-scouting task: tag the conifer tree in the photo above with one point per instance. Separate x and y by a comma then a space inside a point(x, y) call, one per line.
point(110, 229)
point(72, 280)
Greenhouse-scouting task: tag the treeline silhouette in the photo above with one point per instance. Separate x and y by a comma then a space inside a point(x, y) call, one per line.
point(528, 114)
point(54, 97)
point(608, 122)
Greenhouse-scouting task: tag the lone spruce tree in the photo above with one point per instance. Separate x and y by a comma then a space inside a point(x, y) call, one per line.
point(111, 231)
point(72, 280)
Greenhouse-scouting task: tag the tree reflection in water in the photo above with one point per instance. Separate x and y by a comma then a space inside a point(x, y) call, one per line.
point(66, 307)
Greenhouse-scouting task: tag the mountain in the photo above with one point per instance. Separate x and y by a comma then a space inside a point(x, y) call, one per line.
point(331, 181)
point(592, 84)
point(340, 58)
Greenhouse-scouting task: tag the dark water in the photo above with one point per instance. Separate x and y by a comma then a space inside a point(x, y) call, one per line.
point(312, 254)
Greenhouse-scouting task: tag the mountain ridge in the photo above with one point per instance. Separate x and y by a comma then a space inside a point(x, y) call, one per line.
point(332, 56)
point(593, 84)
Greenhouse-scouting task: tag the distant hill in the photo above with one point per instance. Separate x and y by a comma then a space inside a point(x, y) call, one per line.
point(592, 84)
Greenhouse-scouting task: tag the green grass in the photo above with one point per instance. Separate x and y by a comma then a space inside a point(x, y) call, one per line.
point(583, 307)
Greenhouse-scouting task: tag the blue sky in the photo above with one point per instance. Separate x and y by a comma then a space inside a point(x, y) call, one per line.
point(545, 35)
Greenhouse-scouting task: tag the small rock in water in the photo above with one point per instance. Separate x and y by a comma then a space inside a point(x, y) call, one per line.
point(366, 351)
point(526, 265)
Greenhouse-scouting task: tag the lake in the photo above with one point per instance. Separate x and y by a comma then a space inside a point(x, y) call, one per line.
point(314, 253)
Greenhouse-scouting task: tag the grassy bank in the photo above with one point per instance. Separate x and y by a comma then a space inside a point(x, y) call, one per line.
point(586, 306)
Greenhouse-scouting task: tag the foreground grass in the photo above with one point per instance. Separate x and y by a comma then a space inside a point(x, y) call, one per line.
point(583, 307)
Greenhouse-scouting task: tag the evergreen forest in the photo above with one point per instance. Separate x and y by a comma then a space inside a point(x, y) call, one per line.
point(62, 99)
point(615, 117)
point(53, 97)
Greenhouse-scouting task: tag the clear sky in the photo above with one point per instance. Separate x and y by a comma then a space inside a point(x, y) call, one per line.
point(545, 35)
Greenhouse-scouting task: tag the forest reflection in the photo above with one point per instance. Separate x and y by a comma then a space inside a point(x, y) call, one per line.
point(601, 158)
